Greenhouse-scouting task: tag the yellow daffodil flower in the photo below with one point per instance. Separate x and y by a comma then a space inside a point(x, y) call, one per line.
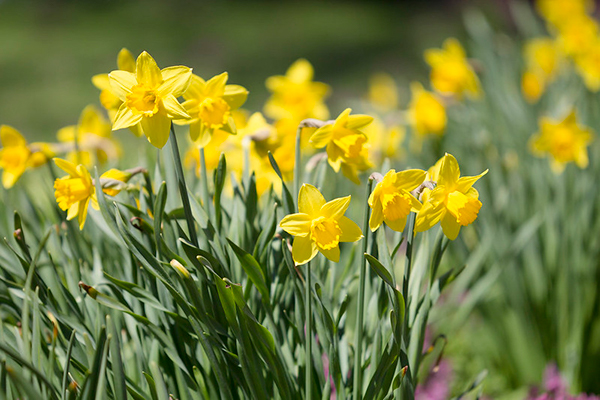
point(451, 73)
point(114, 180)
point(295, 95)
point(454, 201)
point(557, 11)
point(383, 93)
point(345, 143)
point(16, 155)
point(75, 191)
point(210, 104)
point(319, 226)
point(149, 98)
point(109, 100)
point(386, 141)
point(391, 200)
point(93, 136)
point(587, 64)
point(426, 111)
point(565, 141)
point(578, 34)
point(543, 56)
point(532, 86)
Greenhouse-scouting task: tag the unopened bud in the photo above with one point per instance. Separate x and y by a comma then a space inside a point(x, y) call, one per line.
point(89, 290)
point(181, 270)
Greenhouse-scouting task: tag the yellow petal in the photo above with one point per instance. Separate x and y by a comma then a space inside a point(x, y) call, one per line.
point(156, 128)
point(397, 225)
point(358, 121)
point(147, 72)
point(11, 137)
point(9, 178)
point(73, 211)
point(235, 95)
point(351, 232)
point(101, 81)
point(125, 118)
point(176, 81)
point(174, 109)
point(215, 86)
point(196, 88)
point(450, 226)
point(449, 170)
point(428, 216)
point(66, 134)
point(83, 208)
point(303, 250)
point(125, 60)
point(465, 182)
point(322, 136)
point(203, 136)
point(410, 179)
point(310, 200)
point(300, 71)
point(121, 83)
point(332, 254)
point(376, 216)
point(335, 208)
point(66, 166)
point(296, 224)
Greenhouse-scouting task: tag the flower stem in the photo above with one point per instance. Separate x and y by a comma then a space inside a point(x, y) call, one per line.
point(183, 188)
point(308, 345)
point(409, 232)
point(204, 184)
point(361, 301)
point(297, 162)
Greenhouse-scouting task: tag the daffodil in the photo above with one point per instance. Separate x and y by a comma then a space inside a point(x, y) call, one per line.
point(451, 73)
point(557, 12)
point(383, 93)
point(578, 34)
point(565, 141)
point(319, 226)
point(454, 201)
point(149, 98)
point(295, 95)
point(391, 200)
point(543, 56)
point(210, 105)
point(386, 141)
point(587, 65)
point(75, 191)
point(109, 100)
point(90, 140)
point(426, 111)
point(532, 85)
point(16, 156)
point(345, 143)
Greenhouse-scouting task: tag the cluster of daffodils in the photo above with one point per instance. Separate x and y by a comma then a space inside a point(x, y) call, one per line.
point(438, 195)
point(575, 37)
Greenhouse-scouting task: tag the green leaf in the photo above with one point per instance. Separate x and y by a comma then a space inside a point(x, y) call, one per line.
point(380, 270)
point(116, 362)
point(252, 268)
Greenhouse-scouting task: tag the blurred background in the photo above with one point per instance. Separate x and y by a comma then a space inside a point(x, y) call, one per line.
point(49, 50)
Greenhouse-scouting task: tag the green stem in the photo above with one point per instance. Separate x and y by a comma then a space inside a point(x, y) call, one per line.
point(408, 390)
point(297, 162)
point(308, 346)
point(361, 301)
point(204, 184)
point(183, 188)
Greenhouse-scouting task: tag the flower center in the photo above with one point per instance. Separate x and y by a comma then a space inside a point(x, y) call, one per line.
point(349, 142)
point(562, 148)
point(325, 232)
point(463, 208)
point(143, 100)
point(70, 191)
point(214, 112)
point(395, 206)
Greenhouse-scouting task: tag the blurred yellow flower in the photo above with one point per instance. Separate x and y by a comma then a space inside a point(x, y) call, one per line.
point(426, 111)
point(385, 141)
point(90, 140)
point(577, 34)
point(114, 180)
point(451, 73)
point(565, 141)
point(587, 64)
point(532, 86)
point(319, 226)
point(210, 104)
point(109, 100)
point(75, 191)
point(558, 11)
point(16, 155)
point(150, 97)
point(543, 56)
point(383, 93)
point(295, 95)
point(454, 201)
point(391, 200)
point(345, 143)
